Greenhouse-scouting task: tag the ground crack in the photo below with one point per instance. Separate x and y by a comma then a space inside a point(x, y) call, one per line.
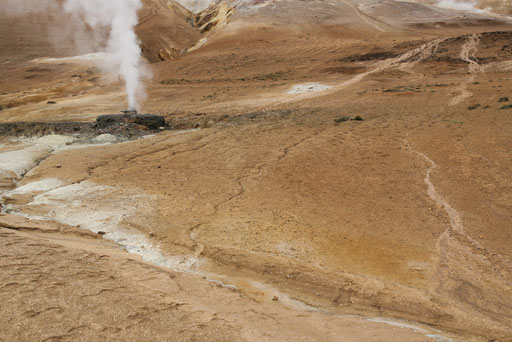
point(199, 247)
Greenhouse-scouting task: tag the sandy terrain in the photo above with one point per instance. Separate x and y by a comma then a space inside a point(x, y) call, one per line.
point(113, 297)
point(336, 171)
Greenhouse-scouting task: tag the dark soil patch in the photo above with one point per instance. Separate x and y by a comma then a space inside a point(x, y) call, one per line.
point(85, 130)
point(345, 70)
point(370, 56)
point(150, 121)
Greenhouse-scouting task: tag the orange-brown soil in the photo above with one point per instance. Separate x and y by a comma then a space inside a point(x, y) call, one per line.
point(403, 215)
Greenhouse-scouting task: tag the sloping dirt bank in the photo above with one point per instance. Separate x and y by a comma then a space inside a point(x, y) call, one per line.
point(96, 283)
point(71, 287)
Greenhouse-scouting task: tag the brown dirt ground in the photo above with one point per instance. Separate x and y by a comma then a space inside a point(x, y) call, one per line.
point(271, 188)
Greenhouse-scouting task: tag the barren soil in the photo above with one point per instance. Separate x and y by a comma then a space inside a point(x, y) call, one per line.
point(335, 171)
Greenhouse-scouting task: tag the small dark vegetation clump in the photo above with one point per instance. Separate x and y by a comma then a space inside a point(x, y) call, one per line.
point(403, 89)
point(509, 106)
point(473, 107)
point(175, 81)
point(342, 119)
point(503, 99)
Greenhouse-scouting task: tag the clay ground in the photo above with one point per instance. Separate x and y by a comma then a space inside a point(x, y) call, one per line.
point(403, 215)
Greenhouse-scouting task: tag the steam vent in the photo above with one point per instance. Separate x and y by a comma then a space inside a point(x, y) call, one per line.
point(151, 121)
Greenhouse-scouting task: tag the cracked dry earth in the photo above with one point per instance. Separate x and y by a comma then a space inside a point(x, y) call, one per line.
point(112, 297)
point(268, 215)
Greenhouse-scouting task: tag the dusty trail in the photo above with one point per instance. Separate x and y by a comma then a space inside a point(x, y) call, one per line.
point(374, 21)
point(455, 220)
point(152, 12)
point(366, 18)
point(460, 258)
point(468, 54)
point(405, 61)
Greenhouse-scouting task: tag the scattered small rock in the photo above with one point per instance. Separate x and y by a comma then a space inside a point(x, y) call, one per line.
point(58, 166)
point(506, 106)
point(503, 99)
point(473, 107)
point(102, 233)
point(51, 102)
point(275, 298)
point(357, 118)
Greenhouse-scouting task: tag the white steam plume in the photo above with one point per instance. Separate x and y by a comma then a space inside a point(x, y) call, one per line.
point(120, 17)
point(109, 26)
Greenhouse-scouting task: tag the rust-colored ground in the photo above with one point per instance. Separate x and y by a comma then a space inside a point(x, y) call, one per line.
point(403, 215)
